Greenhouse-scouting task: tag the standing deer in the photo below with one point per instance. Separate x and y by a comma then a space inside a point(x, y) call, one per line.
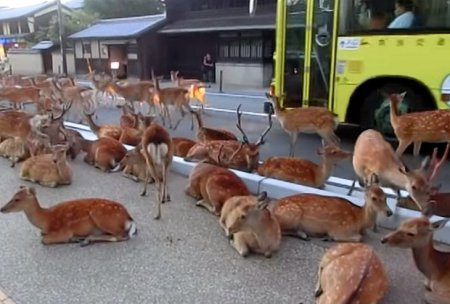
point(157, 148)
point(196, 87)
point(426, 126)
point(351, 273)
point(374, 155)
point(417, 234)
point(304, 215)
point(254, 228)
point(306, 120)
point(303, 171)
point(86, 220)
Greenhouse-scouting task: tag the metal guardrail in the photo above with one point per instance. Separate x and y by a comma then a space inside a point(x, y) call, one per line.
point(277, 189)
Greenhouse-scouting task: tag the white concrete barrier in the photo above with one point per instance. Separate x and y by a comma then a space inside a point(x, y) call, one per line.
point(277, 189)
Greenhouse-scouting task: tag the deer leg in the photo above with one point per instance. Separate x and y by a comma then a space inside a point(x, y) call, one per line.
point(417, 145)
point(318, 290)
point(238, 242)
point(297, 234)
point(402, 145)
point(345, 238)
point(147, 179)
point(160, 188)
point(293, 141)
point(102, 238)
point(57, 237)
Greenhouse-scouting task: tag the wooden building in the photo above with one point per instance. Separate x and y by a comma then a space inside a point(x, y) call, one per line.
point(241, 46)
point(131, 44)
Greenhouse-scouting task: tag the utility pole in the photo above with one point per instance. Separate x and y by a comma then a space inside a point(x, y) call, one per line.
point(62, 40)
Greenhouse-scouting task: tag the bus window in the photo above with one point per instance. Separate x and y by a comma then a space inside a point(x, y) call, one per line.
point(295, 44)
point(358, 16)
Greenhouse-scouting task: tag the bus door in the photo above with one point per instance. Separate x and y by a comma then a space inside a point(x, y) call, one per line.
point(320, 47)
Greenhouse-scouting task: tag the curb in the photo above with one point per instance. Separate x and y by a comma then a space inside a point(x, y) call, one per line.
point(277, 189)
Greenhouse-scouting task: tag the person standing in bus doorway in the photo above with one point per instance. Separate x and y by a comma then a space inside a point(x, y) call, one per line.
point(404, 13)
point(207, 69)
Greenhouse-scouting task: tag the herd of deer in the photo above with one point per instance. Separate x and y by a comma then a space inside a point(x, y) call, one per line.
point(349, 272)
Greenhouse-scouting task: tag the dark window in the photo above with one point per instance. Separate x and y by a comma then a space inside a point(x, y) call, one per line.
point(13, 27)
point(245, 46)
point(87, 48)
point(24, 26)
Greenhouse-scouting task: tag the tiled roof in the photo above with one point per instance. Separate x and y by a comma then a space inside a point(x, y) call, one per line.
point(19, 12)
point(43, 45)
point(120, 27)
point(220, 24)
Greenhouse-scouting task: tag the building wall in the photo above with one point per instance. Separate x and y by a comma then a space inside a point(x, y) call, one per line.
point(244, 74)
point(57, 62)
point(26, 62)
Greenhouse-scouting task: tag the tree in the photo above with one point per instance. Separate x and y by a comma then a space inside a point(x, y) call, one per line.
point(123, 8)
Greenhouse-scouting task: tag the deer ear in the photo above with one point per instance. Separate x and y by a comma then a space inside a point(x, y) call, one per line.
point(403, 94)
point(262, 196)
point(439, 224)
point(31, 190)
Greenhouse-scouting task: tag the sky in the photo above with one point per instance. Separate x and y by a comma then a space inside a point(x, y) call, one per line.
point(16, 3)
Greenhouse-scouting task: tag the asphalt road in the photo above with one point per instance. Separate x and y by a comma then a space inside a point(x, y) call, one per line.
point(183, 258)
point(277, 141)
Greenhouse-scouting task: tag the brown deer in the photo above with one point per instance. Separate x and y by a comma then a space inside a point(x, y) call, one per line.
point(157, 148)
point(374, 155)
point(133, 165)
point(206, 134)
point(426, 126)
point(351, 273)
point(15, 149)
point(104, 153)
point(133, 136)
point(167, 98)
point(303, 171)
point(181, 146)
point(306, 120)
point(86, 219)
point(196, 87)
point(335, 218)
point(106, 130)
point(49, 170)
point(253, 226)
point(237, 155)
point(212, 186)
point(417, 234)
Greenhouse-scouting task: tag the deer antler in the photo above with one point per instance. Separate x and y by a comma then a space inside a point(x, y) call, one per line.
point(238, 125)
point(64, 109)
point(261, 138)
point(437, 164)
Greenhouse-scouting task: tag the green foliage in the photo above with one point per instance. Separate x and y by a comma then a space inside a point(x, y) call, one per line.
point(123, 8)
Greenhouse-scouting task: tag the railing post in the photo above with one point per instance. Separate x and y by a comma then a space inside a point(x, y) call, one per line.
point(221, 81)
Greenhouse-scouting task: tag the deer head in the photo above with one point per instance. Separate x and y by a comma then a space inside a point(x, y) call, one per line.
point(21, 200)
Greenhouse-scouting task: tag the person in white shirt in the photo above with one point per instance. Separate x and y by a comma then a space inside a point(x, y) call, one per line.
point(405, 16)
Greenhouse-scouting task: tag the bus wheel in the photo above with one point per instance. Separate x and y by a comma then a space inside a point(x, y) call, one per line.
point(375, 112)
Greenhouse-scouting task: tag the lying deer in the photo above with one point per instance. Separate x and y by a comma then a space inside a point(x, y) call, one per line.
point(212, 186)
point(182, 146)
point(418, 127)
point(133, 165)
point(86, 220)
point(207, 134)
point(49, 170)
point(15, 149)
point(417, 234)
point(306, 120)
point(303, 171)
point(351, 273)
point(106, 130)
point(253, 226)
point(304, 215)
point(104, 153)
point(374, 155)
point(237, 155)
point(157, 148)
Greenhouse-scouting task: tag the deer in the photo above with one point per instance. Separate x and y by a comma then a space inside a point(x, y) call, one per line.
point(372, 154)
point(83, 220)
point(18, 95)
point(132, 136)
point(166, 98)
point(133, 165)
point(48, 170)
point(303, 171)
point(212, 186)
point(157, 148)
point(351, 273)
point(334, 218)
point(104, 153)
point(206, 134)
point(128, 119)
point(417, 127)
point(15, 149)
point(182, 146)
point(196, 87)
point(306, 120)
point(242, 156)
point(252, 225)
point(417, 234)
point(106, 130)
